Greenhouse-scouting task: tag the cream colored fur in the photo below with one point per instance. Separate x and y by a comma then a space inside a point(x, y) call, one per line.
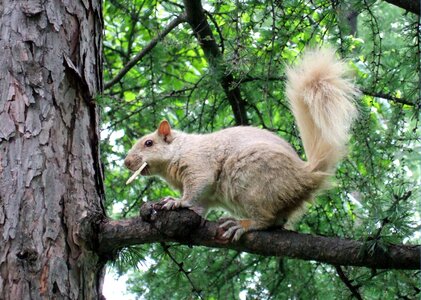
point(321, 98)
point(252, 173)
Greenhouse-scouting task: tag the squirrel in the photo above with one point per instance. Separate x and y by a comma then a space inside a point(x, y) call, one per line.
point(252, 173)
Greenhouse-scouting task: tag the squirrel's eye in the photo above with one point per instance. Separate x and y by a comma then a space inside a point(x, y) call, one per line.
point(148, 143)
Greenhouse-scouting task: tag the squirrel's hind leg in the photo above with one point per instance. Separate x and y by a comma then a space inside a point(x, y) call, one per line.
point(234, 229)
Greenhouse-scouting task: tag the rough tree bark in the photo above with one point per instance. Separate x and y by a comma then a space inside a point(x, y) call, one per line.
point(50, 176)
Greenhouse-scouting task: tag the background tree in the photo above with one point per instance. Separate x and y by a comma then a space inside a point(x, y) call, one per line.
point(223, 66)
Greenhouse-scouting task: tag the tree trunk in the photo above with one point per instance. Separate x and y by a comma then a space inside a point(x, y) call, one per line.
point(50, 175)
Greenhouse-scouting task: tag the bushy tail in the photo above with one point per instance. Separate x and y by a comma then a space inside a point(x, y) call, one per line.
point(322, 101)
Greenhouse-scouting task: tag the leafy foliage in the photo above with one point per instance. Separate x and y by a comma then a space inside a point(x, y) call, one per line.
point(376, 186)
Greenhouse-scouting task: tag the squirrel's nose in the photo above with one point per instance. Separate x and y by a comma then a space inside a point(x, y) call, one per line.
point(128, 162)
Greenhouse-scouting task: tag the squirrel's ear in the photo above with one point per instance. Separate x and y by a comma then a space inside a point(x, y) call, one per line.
point(164, 131)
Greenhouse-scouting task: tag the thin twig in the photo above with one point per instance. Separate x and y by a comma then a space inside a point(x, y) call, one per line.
point(181, 269)
point(389, 97)
point(174, 23)
point(218, 30)
point(348, 283)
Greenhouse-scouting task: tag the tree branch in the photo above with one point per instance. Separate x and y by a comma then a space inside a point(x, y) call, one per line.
point(186, 227)
point(408, 5)
point(174, 23)
point(353, 289)
point(389, 97)
point(197, 19)
point(180, 266)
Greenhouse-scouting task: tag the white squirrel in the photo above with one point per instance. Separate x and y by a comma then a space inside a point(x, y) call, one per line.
point(252, 173)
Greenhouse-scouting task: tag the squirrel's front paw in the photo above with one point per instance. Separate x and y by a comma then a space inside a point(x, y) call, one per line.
point(168, 203)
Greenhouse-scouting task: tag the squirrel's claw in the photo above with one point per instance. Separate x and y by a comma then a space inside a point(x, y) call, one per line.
point(168, 203)
point(234, 232)
point(225, 223)
point(233, 229)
